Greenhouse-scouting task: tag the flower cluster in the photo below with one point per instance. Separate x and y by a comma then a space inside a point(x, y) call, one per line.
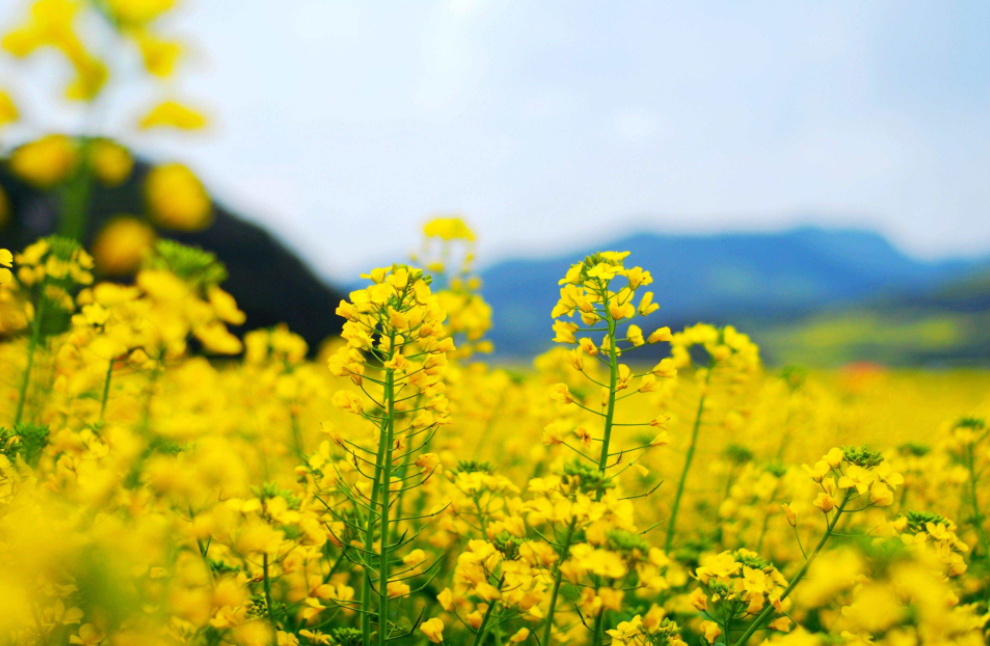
point(737, 586)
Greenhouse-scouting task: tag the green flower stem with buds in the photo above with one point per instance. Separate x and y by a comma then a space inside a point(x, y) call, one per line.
point(267, 583)
point(76, 195)
point(386, 440)
point(106, 389)
point(558, 577)
point(32, 346)
point(369, 545)
point(613, 370)
point(688, 458)
point(763, 616)
point(978, 515)
point(483, 628)
point(403, 470)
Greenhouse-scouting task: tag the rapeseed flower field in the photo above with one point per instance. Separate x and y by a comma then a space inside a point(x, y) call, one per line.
point(164, 481)
point(398, 489)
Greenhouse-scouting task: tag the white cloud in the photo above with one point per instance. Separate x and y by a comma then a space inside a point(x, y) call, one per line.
point(636, 125)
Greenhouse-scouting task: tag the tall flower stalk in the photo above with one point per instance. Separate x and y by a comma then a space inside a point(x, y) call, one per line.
point(396, 353)
point(598, 297)
point(729, 352)
point(50, 271)
point(967, 436)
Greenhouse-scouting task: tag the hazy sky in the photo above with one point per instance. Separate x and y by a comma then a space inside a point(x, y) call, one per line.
point(342, 125)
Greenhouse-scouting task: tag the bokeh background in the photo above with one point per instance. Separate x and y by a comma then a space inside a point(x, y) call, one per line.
point(817, 174)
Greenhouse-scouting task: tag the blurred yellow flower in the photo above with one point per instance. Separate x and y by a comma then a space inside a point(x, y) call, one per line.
point(159, 55)
point(448, 229)
point(51, 24)
point(433, 629)
point(172, 114)
point(112, 163)
point(177, 199)
point(46, 161)
point(121, 246)
point(91, 76)
point(6, 260)
point(8, 109)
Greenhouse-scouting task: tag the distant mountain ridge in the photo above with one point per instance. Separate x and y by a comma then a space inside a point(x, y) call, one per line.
point(745, 278)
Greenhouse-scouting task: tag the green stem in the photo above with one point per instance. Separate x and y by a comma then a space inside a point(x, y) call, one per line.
point(981, 535)
point(296, 434)
point(403, 470)
point(152, 384)
point(32, 345)
point(267, 582)
point(672, 523)
point(612, 379)
point(106, 389)
point(76, 196)
point(762, 617)
point(383, 565)
point(558, 576)
point(599, 632)
point(613, 369)
point(369, 545)
point(479, 636)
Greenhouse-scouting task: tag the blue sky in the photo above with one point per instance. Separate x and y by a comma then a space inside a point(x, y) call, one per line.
point(343, 125)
